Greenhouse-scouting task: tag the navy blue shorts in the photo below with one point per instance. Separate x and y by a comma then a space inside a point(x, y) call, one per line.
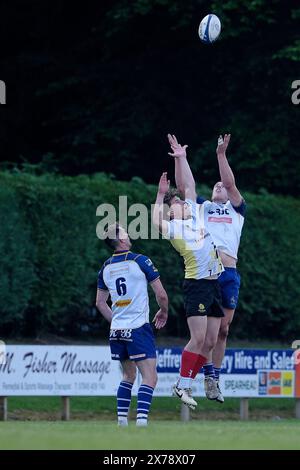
point(136, 345)
point(230, 281)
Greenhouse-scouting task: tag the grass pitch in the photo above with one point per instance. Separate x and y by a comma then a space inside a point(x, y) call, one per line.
point(164, 435)
point(32, 425)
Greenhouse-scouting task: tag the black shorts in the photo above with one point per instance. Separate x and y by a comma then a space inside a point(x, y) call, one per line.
point(202, 297)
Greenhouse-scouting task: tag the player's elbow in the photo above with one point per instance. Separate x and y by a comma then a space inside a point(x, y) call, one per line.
point(99, 305)
point(155, 222)
point(229, 185)
point(157, 225)
point(155, 218)
point(189, 191)
point(181, 189)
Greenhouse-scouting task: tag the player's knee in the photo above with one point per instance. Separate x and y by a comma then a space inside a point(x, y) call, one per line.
point(197, 343)
point(129, 376)
point(223, 332)
point(209, 344)
point(154, 380)
point(151, 380)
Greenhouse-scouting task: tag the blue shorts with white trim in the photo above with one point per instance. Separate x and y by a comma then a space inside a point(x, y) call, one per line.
point(230, 281)
point(136, 344)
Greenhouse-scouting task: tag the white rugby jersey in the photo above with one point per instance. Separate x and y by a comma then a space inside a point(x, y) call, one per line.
point(126, 275)
point(194, 243)
point(224, 222)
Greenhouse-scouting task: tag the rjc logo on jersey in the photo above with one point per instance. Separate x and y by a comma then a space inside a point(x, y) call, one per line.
point(219, 211)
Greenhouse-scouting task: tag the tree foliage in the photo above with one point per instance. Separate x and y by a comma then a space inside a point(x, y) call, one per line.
point(98, 88)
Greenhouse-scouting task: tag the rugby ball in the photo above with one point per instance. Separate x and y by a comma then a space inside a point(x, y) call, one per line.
point(209, 28)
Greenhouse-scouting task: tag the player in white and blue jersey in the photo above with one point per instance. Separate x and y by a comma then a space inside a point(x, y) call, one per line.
point(125, 277)
point(223, 218)
point(201, 291)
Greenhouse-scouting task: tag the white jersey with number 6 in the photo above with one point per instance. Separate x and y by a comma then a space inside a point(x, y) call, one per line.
point(126, 275)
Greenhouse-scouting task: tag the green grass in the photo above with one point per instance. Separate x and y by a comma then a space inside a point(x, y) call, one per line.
point(93, 425)
point(159, 435)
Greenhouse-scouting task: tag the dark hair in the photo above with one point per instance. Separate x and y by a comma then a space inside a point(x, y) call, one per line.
point(111, 235)
point(170, 195)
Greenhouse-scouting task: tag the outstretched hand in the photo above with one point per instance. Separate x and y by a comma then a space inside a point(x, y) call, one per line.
point(160, 319)
point(223, 143)
point(164, 184)
point(178, 150)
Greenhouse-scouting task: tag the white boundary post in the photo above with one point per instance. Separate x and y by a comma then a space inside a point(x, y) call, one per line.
point(65, 412)
point(244, 409)
point(185, 413)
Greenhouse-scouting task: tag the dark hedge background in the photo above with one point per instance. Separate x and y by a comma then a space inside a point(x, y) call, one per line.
point(50, 257)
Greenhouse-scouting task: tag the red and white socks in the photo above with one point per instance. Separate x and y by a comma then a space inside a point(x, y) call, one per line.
point(191, 363)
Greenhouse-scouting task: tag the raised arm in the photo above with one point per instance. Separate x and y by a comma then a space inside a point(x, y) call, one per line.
point(102, 306)
point(158, 213)
point(183, 175)
point(226, 174)
point(161, 317)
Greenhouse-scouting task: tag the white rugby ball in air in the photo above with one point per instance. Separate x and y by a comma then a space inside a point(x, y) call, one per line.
point(209, 28)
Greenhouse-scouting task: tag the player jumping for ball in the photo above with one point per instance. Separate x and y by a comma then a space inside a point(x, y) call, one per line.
point(224, 219)
point(125, 277)
point(202, 296)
